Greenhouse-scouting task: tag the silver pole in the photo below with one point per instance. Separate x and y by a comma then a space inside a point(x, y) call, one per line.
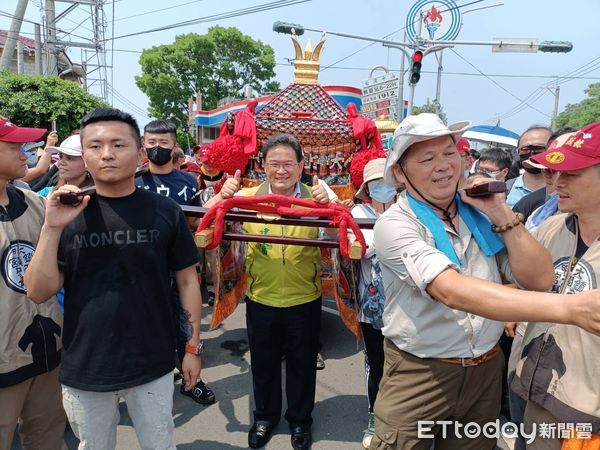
point(411, 86)
point(556, 94)
point(400, 100)
point(438, 89)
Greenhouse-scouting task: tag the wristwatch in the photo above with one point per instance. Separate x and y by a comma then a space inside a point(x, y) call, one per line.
point(194, 349)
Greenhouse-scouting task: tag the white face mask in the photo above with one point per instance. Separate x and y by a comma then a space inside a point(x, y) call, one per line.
point(380, 191)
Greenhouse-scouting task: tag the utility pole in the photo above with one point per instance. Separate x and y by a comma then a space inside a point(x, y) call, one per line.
point(38, 49)
point(555, 113)
point(199, 130)
point(51, 56)
point(13, 33)
point(20, 58)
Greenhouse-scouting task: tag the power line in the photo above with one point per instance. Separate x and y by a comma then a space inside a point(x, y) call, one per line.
point(496, 83)
point(77, 25)
point(533, 97)
point(157, 10)
point(127, 51)
point(471, 74)
point(586, 68)
point(12, 16)
point(390, 34)
point(126, 102)
point(220, 16)
point(594, 64)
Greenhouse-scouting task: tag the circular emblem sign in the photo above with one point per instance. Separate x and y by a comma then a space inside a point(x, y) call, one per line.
point(555, 157)
point(441, 20)
point(13, 264)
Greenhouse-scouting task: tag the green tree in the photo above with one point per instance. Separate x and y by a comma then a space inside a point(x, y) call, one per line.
point(35, 101)
point(217, 64)
point(586, 111)
point(430, 107)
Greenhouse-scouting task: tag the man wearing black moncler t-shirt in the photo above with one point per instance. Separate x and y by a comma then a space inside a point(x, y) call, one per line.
point(113, 252)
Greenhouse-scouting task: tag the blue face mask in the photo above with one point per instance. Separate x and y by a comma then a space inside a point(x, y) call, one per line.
point(31, 155)
point(26, 151)
point(381, 192)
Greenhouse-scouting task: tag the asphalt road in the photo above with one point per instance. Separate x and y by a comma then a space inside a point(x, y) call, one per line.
point(340, 413)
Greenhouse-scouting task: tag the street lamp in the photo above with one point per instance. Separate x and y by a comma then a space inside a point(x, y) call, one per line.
point(288, 28)
point(555, 47)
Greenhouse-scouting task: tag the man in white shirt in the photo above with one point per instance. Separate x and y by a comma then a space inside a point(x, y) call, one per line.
point(442, 263)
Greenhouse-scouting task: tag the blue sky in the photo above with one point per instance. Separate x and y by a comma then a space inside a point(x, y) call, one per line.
point(472, 97)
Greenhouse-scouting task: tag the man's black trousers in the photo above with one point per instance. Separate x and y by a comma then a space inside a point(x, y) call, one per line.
point(292, 332)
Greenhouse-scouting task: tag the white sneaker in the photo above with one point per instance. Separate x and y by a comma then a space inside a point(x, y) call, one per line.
point(369, 432)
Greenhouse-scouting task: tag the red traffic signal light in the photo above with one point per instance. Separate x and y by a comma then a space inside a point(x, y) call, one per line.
point(415, 69)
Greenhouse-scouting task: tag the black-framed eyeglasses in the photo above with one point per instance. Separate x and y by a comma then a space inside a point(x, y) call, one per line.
point(287, 166)
point(492, 173)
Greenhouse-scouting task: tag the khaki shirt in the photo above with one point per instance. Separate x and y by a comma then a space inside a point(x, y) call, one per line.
point(30, 340)
point(559, 367)
point(413, 320)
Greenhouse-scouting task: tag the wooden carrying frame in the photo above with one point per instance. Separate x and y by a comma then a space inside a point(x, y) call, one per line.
point(227, 301)
point(205, 237)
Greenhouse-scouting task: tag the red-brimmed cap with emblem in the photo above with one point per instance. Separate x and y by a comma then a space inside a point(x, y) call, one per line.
point(201, 154)
point(9, 132)
point(580, 150)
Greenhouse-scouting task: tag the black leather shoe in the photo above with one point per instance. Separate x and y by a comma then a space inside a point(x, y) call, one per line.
point(259, 434)
point(301, 437)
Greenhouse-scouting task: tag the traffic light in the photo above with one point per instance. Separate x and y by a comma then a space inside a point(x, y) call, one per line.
point(415, 69)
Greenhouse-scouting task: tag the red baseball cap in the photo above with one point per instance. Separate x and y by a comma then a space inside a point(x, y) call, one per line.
point(202, 155)
point(579, 151)
point(463, 147)
point(9, 132)
point(190, 167)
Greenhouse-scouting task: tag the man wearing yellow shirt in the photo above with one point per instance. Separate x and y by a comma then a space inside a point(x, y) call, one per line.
point(283, 311)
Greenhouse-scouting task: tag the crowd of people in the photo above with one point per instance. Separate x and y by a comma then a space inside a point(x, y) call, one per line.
point(470, 307)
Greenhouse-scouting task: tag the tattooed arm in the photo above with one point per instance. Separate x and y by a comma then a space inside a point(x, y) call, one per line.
point(191, 302)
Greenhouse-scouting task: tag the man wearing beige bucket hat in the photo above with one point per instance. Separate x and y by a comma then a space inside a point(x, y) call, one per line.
point(443, 256)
